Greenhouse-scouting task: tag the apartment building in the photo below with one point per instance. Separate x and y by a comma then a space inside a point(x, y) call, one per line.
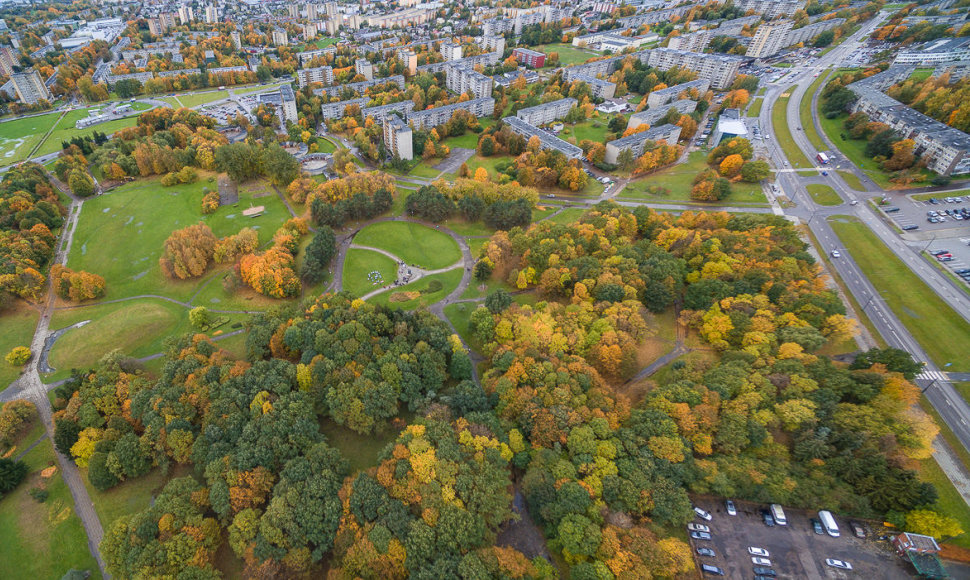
point(492, 43)
point(546, 140)
point(663, 96)
point(652, 115)
point(957, 69)
point(401, 18)
point(460, 80)
point(362, 86)
point(429, 118)
point(336, 110)
point(186, 14)
point(810, 31)
point(289, 103)
point(945, 149)
point(636, 143)
point(546, 113)
point(771, 8)
point(236, 39)
point(30, 87)
point(307, 56)
point(693, 42)
point(450, 51)
point(381, 113)
point(529, 58)
point(935, 52)
point(769, 39)
point(362, 66)
point(410, 60)
point(322, 74)
point(600, 88)
point(720, 69)
point(280, 37)
point(486, 59)
point(211, 14)
point(8, 60)
point(655, 16)
point(397, 138)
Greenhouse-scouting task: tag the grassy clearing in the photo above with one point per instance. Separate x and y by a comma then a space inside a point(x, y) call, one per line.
point(944, 336)
point(361, 451)
point(805, 114)
point(467, 141)
point(144, 214)
point(18, 323)
point(921, 74)
point(593, 129)
point(191, 100)
point(465, 228)
point(42, 540)
point(449, 281)
point(679, 180)
point(359, 263)
point(852, 180)
point(950, 501)
point(754, 109)
point(823, 194)
point(568, 216)
point(414, 243)
point(18, 137)
point(460, 316)
point(131, 496)
point(568, 55)
point(65, 129)
point(780, 121)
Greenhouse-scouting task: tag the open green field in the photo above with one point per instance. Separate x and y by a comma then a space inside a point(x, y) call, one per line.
point(754, 109)
point(18, 322)
point(467, 141)
point(464, 228)
point(921, 74)
point(131, 496)
point(359, 263)
point(823, 194)
point(361, 451)
point(325, 42)
point(65, 130)
point(414, 243)
point(944, 335)
point(568, 54)
point(137, 327)
point(143, 214)
point(20, 136)
point(780, 122)
point(42, 540)
point(449, 281)
point(593, 129)
point(460, 315)
point(567, 216)
point(805, 114)
point(851, 180)
point(950, 501)
point(191, 100)
point(679, 180)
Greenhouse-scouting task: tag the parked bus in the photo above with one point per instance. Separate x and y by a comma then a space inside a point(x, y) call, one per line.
point(828, 522)
point(822, 158)
point(779, 514)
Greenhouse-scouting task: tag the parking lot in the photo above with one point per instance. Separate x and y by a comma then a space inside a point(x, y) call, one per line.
point(958, 248)
point(913, 212)
point(796, 551)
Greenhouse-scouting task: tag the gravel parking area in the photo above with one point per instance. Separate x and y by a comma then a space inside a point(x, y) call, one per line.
point(796, 552)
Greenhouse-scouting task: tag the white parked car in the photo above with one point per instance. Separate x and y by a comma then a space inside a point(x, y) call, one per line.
point(703, 514)
point(838, 563)
point(760, 561)
point(698, 528)
point(758, 552)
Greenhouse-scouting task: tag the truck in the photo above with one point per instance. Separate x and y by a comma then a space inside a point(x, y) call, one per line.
point(822, 158)
point(828, 522)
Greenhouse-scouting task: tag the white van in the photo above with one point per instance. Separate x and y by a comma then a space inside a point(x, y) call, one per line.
point(779, 514)
point(828, 522)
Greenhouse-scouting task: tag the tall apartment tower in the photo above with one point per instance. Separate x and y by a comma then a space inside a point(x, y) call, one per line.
point(450, 51)
point(410, 60)
point(8, 60)
point(279, 37)
point(30, 87)
point(236, 39)
point(311, 11)
point(211, 14)
point(398, 138)
point(769, 39)
point(363, 67)
point(186, 14)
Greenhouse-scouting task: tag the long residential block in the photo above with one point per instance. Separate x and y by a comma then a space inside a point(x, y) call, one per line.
point(429, 118)
point(546, 112)
point(637, 141)
point(546, 140)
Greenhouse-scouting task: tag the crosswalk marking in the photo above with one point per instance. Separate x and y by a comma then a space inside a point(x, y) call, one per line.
point(932, 376)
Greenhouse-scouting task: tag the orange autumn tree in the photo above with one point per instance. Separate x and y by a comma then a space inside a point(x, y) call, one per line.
point(271, 272)
point(76, 286)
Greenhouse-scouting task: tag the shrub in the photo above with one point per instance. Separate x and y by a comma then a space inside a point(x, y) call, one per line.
point(18, 356)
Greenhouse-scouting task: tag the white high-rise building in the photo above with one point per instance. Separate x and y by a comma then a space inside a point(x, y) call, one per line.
point(397, 138)
point(186, 14)
point(769, 39)
point(211, 14)
point(30, 87)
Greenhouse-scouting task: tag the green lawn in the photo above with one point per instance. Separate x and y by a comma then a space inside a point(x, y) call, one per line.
point(679, 180)
point(20, 136)
point(467, 141)
point(464, 228)
point(780, 121)
point(359, 263)
point(361, 451)
point(460, 315)
point(567, 216)
point(449, 281)
point(950, 501)
point(42, 540)
point(326, 145)
point(921, 74)
point(944, 335)
point(754, 109)
point(191, 100)
point(568, 54)
point(852, 180)
point(129, 497)
point(137, 327)
point(325, 42)
point(593, 129)
point(144, 214)
point(18, 321)
point(414, 243)
point(805, 114)
point(823, 194)
point(425, 170)
point(65, 129)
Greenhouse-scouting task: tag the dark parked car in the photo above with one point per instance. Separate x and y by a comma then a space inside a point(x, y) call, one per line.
point(761, 570)
point(766, 516)
point(817, 527)
point(857, 529)
point(706, 552)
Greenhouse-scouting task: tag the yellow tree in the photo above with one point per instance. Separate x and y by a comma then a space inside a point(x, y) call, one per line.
point(731, 165)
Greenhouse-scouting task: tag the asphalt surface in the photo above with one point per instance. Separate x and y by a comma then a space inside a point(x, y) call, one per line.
point(951, 406)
